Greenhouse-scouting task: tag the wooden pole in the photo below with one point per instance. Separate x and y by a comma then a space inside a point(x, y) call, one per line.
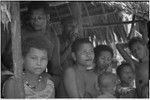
point(76, 14)
point(16, 38)
point(132, 27)
point(111, 24)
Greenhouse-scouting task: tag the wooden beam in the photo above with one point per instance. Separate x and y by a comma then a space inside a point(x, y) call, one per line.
point(16, 38)
point(111, 24)
point(76, 14)
point(87, 12)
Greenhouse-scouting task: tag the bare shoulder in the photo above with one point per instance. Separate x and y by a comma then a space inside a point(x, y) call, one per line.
point(69, 76)
point(10, 81)
point(70, 70)
point(9, 85)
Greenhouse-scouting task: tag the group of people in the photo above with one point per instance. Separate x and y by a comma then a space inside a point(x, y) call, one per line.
point(81, 72)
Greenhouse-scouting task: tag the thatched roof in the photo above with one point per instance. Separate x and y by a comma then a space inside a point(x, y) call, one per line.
point(102, 19)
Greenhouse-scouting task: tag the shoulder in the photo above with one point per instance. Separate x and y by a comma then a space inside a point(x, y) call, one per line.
point(9, 84)
point(70, 70)
point(10, 80)
point(52, 32)
point(69, 73)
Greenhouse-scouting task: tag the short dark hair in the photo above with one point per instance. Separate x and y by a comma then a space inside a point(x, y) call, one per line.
point(34, 5)
point(121, 67)
point(78, 42)
point(100, 48)
point(135, 40)
point(37, 42)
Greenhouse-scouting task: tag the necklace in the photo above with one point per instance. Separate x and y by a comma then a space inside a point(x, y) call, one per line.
point(33, 87)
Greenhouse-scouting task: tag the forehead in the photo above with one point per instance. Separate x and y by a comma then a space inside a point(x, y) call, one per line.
point(126, 68)
point(137, 44)
point(35, 51)
point(39, 11)
point(105, 53)
point(85, 46)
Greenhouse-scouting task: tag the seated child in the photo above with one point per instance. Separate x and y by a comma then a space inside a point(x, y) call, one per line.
point(34, 82)
point(107, 85)
point(78, 82)
point(126, 88)
point(140, 51)
point(103, 58)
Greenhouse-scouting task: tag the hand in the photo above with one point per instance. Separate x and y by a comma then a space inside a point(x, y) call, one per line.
point(124, 90)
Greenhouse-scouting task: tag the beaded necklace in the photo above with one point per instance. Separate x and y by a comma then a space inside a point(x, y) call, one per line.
point(33, 87)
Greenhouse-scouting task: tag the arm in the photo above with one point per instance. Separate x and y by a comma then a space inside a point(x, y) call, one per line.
point(70, 83)
point(14, 88)
point(124, 54)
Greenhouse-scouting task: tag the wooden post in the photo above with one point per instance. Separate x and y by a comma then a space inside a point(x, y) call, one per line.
point(16, 38)
point(76, 14)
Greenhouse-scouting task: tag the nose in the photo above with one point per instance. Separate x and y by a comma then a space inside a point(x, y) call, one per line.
point(39, 62)
point(90, 55)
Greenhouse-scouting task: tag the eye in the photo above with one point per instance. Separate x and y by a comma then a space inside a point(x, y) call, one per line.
point(108, 59)
point(92, 51)
point(33, 58)
point(44, 58)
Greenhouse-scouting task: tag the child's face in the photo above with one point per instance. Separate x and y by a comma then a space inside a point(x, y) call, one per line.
point(138, 50)
point(109, 84)
point(36, 61)
point(127, 75)
point(38, 19)
point(85, 54)
point(104, 58)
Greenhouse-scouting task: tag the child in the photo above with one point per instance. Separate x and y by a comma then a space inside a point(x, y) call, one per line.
point(126, 76)
point(139, 50)
point(103, 58)
point(107, 84)
point(35, 82)
point(79, 82)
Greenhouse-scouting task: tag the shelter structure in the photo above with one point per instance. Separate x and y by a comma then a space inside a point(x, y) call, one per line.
point(103, 22)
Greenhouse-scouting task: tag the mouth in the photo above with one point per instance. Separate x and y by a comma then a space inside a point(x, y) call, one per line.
point(38, 69)
point(89, 60)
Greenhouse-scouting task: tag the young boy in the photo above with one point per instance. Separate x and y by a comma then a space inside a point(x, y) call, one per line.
point(126, 76)
point(103, 58)
point(35, 82)
point(79, 82)
point(140, 51)
point(107, 84)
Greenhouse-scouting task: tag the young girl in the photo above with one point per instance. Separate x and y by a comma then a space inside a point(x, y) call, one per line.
point(78, 82)
point(107, 85)
point(34, 82)
point(140, 51)
point(103, 57)
point(126, 75)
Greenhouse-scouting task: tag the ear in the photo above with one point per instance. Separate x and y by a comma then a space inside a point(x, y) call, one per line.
point(73, 56)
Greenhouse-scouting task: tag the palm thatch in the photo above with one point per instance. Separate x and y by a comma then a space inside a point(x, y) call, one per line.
point(105, 20)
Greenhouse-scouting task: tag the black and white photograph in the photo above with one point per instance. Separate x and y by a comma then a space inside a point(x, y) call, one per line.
point(74, 49)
